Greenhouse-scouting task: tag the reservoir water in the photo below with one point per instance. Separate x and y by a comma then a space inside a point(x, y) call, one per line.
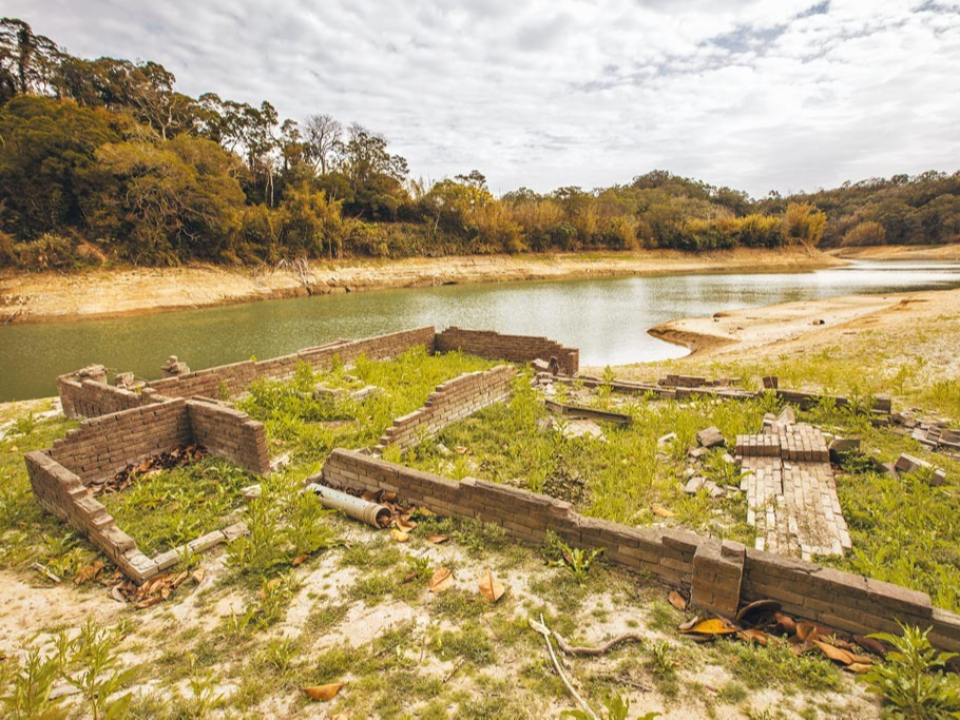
point(607, 319)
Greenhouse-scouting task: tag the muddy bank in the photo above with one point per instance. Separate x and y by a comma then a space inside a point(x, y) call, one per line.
point(101, 293)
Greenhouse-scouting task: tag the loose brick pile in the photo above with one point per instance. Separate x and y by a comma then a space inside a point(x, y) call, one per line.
point(791, 491)
point(452, 400)
point(719, 575)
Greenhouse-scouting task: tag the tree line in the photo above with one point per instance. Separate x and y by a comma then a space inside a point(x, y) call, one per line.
point(104, 160)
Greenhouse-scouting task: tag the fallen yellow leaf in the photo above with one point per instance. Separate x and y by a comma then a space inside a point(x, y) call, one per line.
point(662, 511)
point(834, 653)
point(490, 588)
point(442, 580)
point(713, 626)
point(399, 535)
point(437, 539)
point(676, 599)
point(323, 692)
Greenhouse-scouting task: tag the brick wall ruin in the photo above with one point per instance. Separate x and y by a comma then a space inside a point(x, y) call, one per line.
point(451, 401)
point(229, 433)
point(83, 397)
point(719, 574)
point(101, 446)
point(513, 348)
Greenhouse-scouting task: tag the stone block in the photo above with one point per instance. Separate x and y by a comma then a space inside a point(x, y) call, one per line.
point(710, 437)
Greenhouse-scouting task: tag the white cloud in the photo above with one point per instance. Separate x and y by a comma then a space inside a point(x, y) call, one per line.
point(756, 95)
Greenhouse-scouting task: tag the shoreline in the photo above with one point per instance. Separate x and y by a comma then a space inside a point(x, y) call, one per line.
point(55, 297)
point(802, 326)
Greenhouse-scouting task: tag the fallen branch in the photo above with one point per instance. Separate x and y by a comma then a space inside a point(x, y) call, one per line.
point(599, 650)
point(542, 628)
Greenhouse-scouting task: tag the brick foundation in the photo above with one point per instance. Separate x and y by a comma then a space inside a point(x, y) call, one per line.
point(719, 575)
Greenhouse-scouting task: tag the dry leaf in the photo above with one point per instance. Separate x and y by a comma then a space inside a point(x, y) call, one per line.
point(871, 645)
point(437, 539)
point(676, 599)
point(714, 626)
point(834, 653)
point(399, 535)
point(859, 668)
point(461, 450)
point(405, 525)
point(388, 497)
point(662, 511)
point(689, 624)
point(809, 632)
point(197, 576)
point(442, 580)
point(753, 635)
point(323, 692)
point(299, 559)
point(491, 589)
point(88, 573)
point(786, 622)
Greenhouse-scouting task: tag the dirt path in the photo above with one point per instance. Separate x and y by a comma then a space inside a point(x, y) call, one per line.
point(58, 297)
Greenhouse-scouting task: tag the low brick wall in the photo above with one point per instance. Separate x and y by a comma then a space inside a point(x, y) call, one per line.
point(229, 433)
point(451, 401)
point(512, 348)
point(88, 398)
point(103, 445)
point(238, 376)
point(63, 493)
point(719, 575)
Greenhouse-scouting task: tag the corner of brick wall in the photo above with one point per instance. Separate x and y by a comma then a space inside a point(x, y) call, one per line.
point(230, 433)
point(453, 400)
point(62, 493)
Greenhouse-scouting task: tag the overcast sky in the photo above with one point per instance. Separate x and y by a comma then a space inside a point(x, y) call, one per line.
point(780, 94)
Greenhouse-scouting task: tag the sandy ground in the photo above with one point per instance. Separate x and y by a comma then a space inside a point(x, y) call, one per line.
point(900, 252)
point(55, 296)
point(813, 324)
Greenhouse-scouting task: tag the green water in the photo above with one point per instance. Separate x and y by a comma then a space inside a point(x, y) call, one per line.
point(607, 319)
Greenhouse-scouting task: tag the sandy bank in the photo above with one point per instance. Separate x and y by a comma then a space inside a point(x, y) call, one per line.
point(808, 325)
point(58, 297)
point(899, 252)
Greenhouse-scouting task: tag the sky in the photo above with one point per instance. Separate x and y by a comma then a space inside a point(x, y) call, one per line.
point(783, 95)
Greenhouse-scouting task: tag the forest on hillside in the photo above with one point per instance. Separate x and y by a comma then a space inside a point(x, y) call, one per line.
point(103, 160)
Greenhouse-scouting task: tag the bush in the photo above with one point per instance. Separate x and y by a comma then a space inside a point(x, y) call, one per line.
point(865, 233)
point(51, 252)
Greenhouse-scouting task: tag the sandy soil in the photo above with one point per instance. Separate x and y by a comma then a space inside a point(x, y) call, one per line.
point(900, 252)
point(57, 297)
point(782, 329)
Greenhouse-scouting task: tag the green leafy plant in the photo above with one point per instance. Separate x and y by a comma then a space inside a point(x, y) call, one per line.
point(615, 707)
point(29, 694)
point(100, 676)
point(578, 561)
point(912, 682)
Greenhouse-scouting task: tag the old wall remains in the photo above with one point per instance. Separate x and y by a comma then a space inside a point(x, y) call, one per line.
point(229, 433)
point(451, 401)
point(719, 575)
point(512, 348)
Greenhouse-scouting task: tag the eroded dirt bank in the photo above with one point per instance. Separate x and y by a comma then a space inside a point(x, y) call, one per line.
point(56, 297)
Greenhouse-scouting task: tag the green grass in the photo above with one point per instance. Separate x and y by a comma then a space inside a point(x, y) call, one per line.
point(173, 507)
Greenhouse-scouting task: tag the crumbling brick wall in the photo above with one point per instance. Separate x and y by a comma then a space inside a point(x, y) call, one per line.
point(451, 401)
point(103, 445)
point(62, 493)
point(229, 433)
point(88, 398)
point(238, 376)
point(719, 575)
point(513, 348)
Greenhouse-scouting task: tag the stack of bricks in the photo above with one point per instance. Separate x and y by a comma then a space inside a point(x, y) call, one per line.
point(720, 576)
point(452, 400)
point(791, 490)
point(512, 348)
